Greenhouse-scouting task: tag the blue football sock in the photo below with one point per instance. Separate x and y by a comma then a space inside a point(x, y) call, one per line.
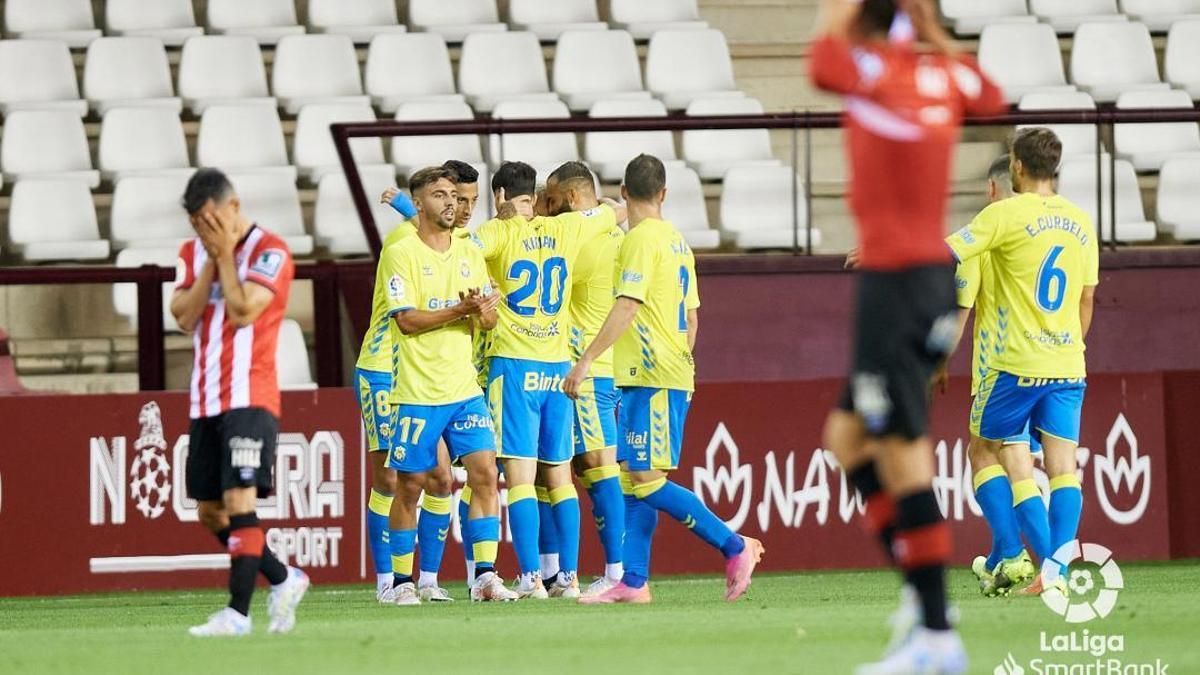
point(564, 502)
point(994, 494)
point(1032, 518)
point(433, 525)
point(403, 543)
point(523, 524)
point(484, 539)
point(641, 520)
point(377, 531)
point(683, 505)
point(1066, 507)
point(547, 531)
point(608, 509)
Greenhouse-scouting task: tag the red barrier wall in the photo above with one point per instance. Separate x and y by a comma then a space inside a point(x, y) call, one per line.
point(91, 497)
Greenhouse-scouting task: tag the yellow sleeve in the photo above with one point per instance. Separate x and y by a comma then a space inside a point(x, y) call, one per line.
point(967, 278)
point(1091, 261)
point(691, 292)
point(635, 264)
point(982, 234)
point(490, 237)
point(395, 271)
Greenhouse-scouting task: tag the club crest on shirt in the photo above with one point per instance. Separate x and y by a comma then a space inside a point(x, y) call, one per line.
point(268, 264)
point(395, 287)
point(465, 270)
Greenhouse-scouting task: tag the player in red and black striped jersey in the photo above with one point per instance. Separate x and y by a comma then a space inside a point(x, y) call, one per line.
point(231, 292)
point(904, 103)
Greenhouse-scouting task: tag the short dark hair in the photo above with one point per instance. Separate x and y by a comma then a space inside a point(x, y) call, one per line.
point(204, 185)
point(574, 171)
point(1000, 168)
point(877, 16)
point(1039, 151)
point(428, 176)
point(465, 173)
point(518, 179)
point(645, 177)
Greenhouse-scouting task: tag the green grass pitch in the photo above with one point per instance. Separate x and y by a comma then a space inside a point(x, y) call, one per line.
point(819, 622)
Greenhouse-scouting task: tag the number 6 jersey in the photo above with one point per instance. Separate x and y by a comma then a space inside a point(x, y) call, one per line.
point(1043, 253)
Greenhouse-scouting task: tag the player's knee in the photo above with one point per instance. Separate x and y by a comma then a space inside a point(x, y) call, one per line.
point(843, 436)
point(439, 483)
point(212, 516)
point(383, 480)
point(483, 479)
point(409, 487)
point(980, 455)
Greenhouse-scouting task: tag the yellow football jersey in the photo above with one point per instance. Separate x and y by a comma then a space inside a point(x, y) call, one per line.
point(656, 267)
point(532, 261)
point(973, 281)
point(1043, 251)
point(438, 365)
point(376, 350)
point(592, 298)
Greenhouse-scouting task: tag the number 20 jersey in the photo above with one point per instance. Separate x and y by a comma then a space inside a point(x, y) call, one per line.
point(1043, 253)
point(533, 262)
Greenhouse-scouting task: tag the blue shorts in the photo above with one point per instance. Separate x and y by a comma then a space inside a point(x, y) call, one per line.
point(533, 415)
point(1008, 405)
point(1026, 438)
point(374, 388)
point(596, 415)
point(466, 427)
point(650, 427)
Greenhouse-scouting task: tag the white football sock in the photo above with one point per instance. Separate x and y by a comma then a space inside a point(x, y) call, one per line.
point(549, 564)
point(427, 579)
point(614, 571)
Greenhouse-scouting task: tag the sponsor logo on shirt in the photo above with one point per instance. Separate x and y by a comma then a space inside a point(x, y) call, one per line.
point(268, 264)
point(427, 270)
point(631, 277)
point(395, 288)
point(590, 212)
point(965, 235)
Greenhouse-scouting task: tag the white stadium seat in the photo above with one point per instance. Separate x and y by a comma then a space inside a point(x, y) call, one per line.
point(54, 220)
point(264, 20)
point(49, 144)
point(644, 18)
point(455, 20)
point(502, 66)
point(1023, 58)
point(243, 138)
point(410, 153)
point(125, 301)
point(390, 80)
point(1148, 146)
point(683, 65)
point(137, 141)
point(38, 74)
point(1181, 62)
point(1077, 182)
point(1066, 16)
point(1160, 15)
point(1179, 198)
point(272, 200)
point(540, 150)
point(128, 71)
point(221, 69)
point(316, 69)
point(291, 359)
point(970, 17)
point(172, 21)
point(313, 150)
point(610, 151)
point(1108, 59)
point(361, 20)
point(336, 227)
point(714, 153)
point(582, 79)
point(146, 212)
point(549, 20)
point(687, 209)
point(70, 21)
point(1077, 139)
point(759, 204)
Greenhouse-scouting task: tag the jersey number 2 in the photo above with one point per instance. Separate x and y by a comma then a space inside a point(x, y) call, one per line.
point(552, 277)
point(685, 282)
point(1051, 282)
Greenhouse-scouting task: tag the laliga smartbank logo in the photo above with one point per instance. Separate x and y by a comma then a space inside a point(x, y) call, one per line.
point(1081, 594)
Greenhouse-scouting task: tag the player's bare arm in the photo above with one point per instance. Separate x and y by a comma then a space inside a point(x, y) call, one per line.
point(187, 305)
point(244, 302)
point(837, 18)
point(619, 319)
point(928, 27)
point(1087, 302)
point(618, 208)
point(693, 324)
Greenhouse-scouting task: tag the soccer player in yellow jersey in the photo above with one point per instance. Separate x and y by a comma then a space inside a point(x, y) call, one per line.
point(1044, 262)
point(373, 373)
point(532, 259)
point(652, 330)
point(438, 292)
point(993, 492)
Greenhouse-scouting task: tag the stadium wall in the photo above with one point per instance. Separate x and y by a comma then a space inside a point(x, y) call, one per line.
point(91, 487)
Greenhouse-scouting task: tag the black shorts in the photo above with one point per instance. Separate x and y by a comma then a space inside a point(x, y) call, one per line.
point(904, 328)
point(235, 449)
